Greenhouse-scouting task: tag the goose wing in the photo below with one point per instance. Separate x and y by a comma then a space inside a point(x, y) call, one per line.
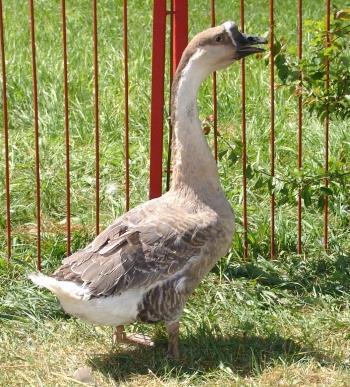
point(137, 250)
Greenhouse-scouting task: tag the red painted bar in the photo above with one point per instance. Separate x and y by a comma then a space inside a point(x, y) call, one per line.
point(178, 42)
point(157, 97)
point(215, 99)
point(244, 146)
point(126, 104)
point(66, 124)
point(6, 135)
point(326, 130)
point(36, 133)
point(180, 30)
point(171, 71)
point(96, 112)
point(272, 129)
point(300, 120)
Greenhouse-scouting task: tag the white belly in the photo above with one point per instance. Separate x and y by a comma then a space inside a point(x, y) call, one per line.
point(74, 298)
point(112, 310)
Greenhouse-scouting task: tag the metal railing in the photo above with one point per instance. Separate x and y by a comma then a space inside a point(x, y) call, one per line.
point(177, 12)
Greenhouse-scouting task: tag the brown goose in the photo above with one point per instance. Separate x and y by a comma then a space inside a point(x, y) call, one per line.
point(146, 264)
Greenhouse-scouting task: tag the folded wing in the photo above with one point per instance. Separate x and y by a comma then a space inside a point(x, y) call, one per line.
point(139, 249)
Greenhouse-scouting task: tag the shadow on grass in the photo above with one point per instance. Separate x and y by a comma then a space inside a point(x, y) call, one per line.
point(201, 354)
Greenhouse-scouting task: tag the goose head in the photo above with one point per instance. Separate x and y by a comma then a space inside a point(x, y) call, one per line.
point(218, 47)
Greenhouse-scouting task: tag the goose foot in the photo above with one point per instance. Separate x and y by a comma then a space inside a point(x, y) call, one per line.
point(173, 339)
point(120, 336)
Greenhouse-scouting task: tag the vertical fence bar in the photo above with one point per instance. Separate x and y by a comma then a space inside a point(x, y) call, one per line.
point(126, 104)
point(244, 146)
point(171, 71)
point(272, 120)
point(180, 30)
point(126, 110)
point(326, 129)
point(66, 125)
point(6, 135)
point(96, 111)
point(36, 133)
point(300, 119)
point(215, 99)
point(157, 98)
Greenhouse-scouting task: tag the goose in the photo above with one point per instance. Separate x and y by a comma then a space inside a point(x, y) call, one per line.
point(145, 265)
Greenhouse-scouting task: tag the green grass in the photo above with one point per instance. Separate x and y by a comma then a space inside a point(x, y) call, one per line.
point(255, 323)
point(249, 323)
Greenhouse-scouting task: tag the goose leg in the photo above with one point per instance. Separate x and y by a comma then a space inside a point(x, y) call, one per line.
point(120, 336)
point(173, 339)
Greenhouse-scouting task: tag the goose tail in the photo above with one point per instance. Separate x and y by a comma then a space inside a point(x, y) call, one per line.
point(62, 289)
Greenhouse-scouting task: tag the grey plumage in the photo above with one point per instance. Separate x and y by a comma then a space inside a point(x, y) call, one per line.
point(146, 245)
point(146, 265)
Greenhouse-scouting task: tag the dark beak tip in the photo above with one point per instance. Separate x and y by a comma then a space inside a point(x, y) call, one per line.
point(259, 40)
point(247, 45)
point(251, 39)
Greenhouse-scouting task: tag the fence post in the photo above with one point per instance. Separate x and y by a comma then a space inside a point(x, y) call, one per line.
point(179, 43)
point(180, 35)
point(157, 97)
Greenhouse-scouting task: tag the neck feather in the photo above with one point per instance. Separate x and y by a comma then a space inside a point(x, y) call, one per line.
point(194, 167)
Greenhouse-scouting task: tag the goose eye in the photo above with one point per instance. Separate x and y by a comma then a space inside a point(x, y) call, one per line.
point(219, 38)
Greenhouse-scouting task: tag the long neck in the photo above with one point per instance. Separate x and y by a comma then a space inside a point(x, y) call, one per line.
point(194, 166)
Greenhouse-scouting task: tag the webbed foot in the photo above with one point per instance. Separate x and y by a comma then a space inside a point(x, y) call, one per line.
point(120, 336)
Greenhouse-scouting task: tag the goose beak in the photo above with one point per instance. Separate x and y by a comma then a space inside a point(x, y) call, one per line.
point(245, 45)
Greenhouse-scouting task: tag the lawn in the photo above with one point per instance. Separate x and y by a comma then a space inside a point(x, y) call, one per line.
point(255, 322)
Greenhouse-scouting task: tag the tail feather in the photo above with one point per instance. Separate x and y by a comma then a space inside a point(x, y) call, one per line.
point(76, 300)
point(60, 288)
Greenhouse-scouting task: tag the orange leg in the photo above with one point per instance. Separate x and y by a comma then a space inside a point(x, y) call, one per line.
point(173, 339)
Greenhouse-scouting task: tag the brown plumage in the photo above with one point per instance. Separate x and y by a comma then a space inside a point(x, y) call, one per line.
point(148, 262)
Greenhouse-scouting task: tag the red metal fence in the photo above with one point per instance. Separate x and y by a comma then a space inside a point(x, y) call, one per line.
point(177, 12)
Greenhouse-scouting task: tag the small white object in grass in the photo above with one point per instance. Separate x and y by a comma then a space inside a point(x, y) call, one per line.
point(73, 220)
point(111, 189)
point(84, 375)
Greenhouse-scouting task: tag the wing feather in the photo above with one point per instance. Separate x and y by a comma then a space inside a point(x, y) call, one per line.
point(137, 251)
